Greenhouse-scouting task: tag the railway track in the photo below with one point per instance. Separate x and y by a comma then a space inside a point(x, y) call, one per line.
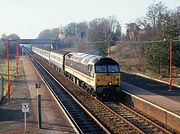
point(115, 117)
point(81, 119)
point(143, 123)
point(110, 119)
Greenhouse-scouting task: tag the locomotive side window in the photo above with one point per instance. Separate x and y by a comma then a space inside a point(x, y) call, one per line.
point(113, 68)
point(89, 68)
point(92, 71)
point(101, 69)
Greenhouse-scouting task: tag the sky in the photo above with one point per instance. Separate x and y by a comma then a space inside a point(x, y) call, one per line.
point(27, 18)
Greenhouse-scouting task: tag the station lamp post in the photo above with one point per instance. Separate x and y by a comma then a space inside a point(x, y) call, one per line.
point(170, 64)
point(17, 56)
point(8, 57)
point(6, 42)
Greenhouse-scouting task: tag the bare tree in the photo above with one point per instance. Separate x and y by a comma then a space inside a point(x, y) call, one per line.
point(155, 15)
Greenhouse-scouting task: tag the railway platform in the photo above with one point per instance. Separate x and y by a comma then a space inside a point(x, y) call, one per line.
point(54, 120)
point(162, 107)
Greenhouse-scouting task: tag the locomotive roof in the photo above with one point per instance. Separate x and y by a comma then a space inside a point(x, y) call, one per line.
point(84, 58)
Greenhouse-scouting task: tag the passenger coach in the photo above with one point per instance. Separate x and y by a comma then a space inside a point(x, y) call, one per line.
point(98, 75)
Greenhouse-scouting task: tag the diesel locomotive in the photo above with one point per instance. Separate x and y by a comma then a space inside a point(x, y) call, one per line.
point(98, 75)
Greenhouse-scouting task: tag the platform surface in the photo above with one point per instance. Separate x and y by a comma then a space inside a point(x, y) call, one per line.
point(164, 101)
point(12, 118)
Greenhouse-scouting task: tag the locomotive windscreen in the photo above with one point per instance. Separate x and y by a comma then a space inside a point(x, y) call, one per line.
point(107, 65)
point(107, 69)
point(113, 68)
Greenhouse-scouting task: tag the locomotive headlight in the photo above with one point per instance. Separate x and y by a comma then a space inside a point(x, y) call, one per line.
point(117, 79)
point(109, 83)
point(98, 80)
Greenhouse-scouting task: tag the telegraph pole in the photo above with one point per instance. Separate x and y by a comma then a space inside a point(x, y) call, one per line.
point(170, 64)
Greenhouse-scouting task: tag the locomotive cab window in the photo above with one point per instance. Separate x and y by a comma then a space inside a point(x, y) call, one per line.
point(101, 69)
point(107, 68)
point(113, 68)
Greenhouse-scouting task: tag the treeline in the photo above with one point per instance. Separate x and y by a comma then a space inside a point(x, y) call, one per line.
point(3, 47)
point(151, 36)
point(159, 23)
point(91, 37)
point(148, 36)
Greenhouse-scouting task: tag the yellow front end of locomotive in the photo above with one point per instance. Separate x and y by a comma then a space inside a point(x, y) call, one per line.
point(102, 79)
